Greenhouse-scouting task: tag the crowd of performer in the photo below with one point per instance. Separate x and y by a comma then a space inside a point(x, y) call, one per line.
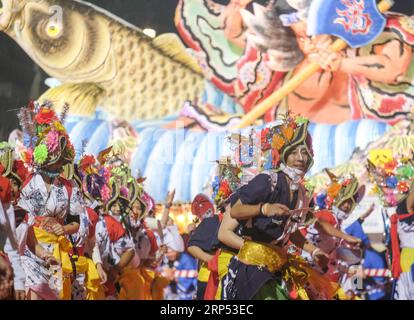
point(88, 230)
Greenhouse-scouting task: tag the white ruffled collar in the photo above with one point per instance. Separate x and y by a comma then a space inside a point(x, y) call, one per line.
point(295, 175)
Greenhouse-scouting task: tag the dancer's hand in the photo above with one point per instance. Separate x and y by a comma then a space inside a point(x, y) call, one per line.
point(352, 240)
point(102, 274)
point(274, 209)
point(58, 229)
point(321, 258)
point(368, 212)
point(170, 198)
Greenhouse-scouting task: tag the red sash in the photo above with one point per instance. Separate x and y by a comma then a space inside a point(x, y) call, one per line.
point(395, 243)
point(213, 280)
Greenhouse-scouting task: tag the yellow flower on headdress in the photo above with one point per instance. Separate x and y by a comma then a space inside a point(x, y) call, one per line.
point(287, 132)
point(278, 142)
point(333, 189)
point(380, 156)
point(58, 126)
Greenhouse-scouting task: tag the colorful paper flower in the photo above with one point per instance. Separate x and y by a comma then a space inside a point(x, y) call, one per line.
point(58, 126)
point(265, 144)
point(45, 116)
point(277, 142)
point(20, 169)
point(391, 182)
point(52, 140)
point(225, 189)
point(403, 186)
point(275, 158)
point(301, 120)
point(321, 200)
point(333, 189)
point(124, 191)
point(105, 193)
point(406, 171)
point(87, 161)
point(288, 132)
point(40, 154)
point(391, 165)
point(390, 198)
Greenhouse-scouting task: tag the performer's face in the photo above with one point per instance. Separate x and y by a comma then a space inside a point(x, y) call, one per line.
point(298, 158)
point(116, 208)
point(171, 254)
point(136, 209)
point(346, 206)
point(14, 188)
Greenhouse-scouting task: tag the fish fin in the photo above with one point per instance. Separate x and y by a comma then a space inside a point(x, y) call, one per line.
point(81, 98)
point(171, 45)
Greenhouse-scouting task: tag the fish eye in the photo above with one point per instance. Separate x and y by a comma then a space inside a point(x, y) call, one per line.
point(53, 30)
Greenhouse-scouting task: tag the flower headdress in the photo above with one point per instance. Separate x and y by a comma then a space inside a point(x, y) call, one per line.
point(13, 168)
point(46, 139)
point(226, 181)
point(278, 141)
point(340, 190)
point(268, 148)
point(392, 176)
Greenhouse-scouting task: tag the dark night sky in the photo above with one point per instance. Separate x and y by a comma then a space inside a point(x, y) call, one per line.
point(17, 72)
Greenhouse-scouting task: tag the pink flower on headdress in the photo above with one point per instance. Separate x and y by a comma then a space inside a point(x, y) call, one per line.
point(106, 174)
point(52, 140)
point(105, 193)
point(124, 191)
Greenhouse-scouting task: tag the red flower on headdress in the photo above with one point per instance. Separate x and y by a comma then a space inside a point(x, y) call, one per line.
point(225, 189)
point(141, 179)
point(87, 161)
point(20, 169)
point(27, 156)
point(5, 190)
point(403, 186)
point(390, 166)
point(265, 143)
point(2, 169)
point(31, 105)
point(275, 157)
point(45, 116)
